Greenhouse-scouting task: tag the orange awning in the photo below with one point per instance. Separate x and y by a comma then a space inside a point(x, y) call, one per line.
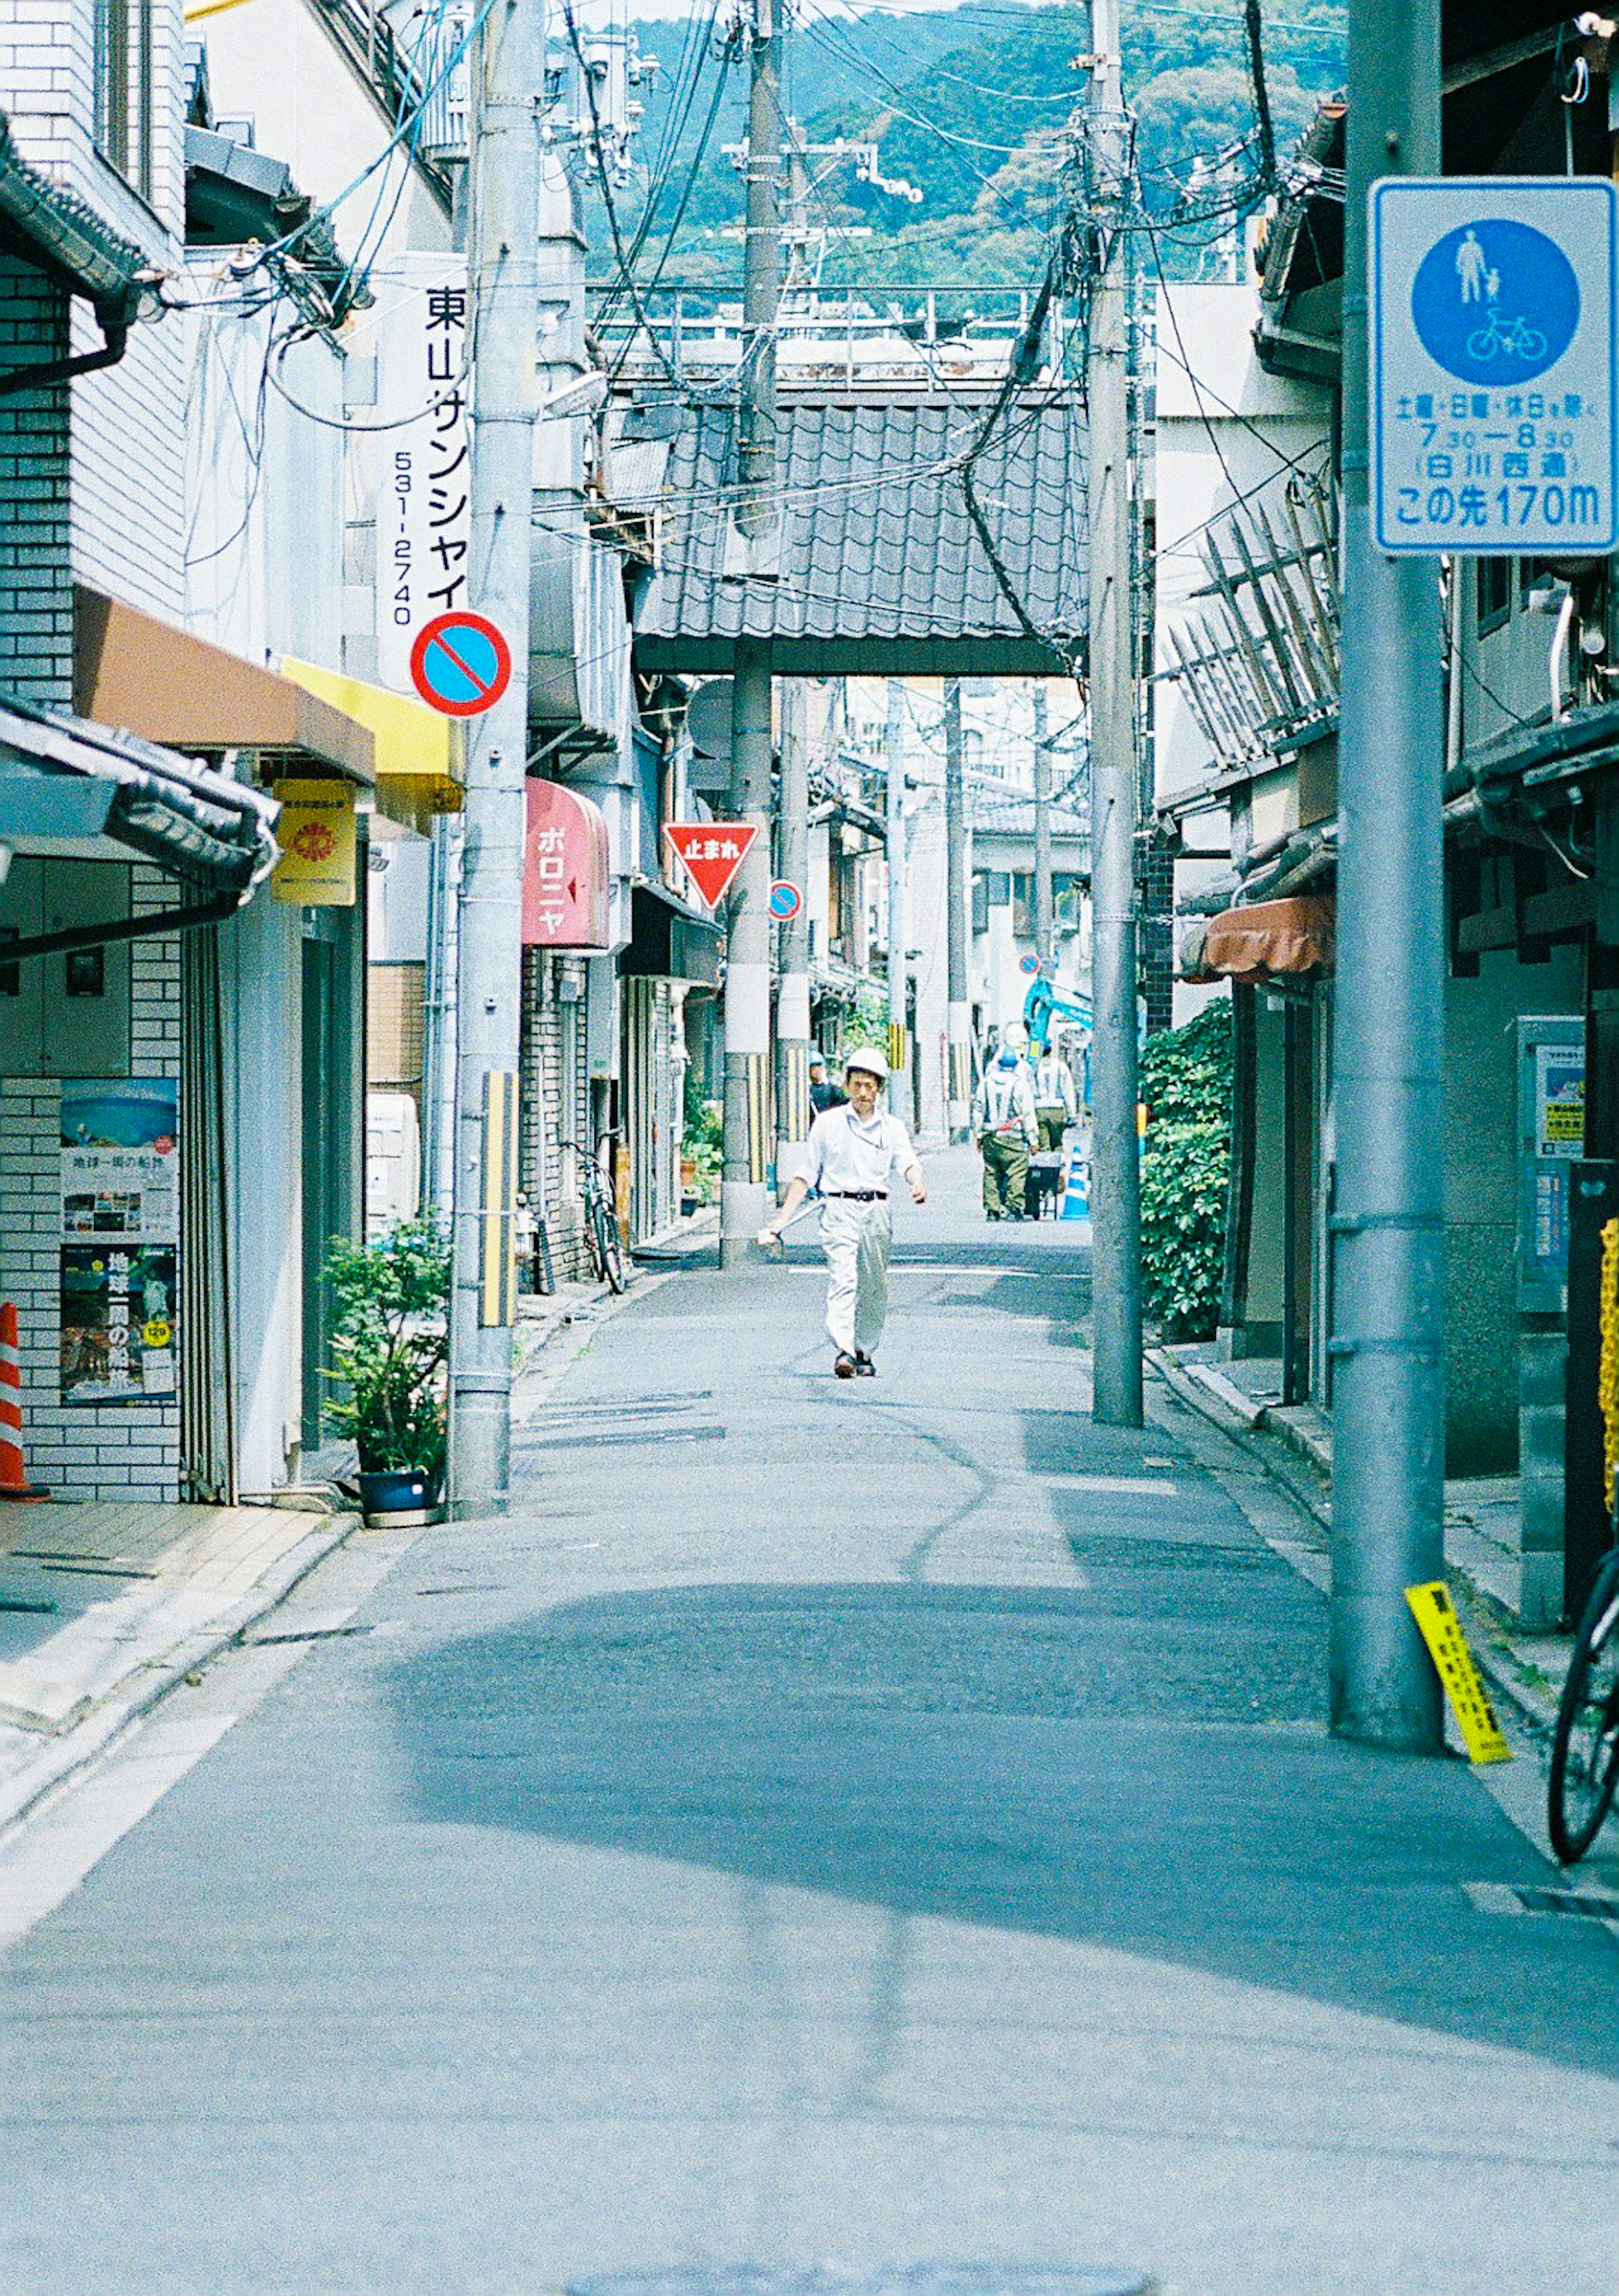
point(1273, 941)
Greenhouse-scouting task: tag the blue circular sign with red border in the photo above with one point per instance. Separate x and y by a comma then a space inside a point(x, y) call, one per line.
point(461, 664)
point(785, 900)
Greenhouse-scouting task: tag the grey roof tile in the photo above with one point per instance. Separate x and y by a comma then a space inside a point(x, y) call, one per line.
point(881, 567)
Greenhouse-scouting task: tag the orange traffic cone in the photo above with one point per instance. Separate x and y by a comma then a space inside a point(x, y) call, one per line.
point(14, 1482)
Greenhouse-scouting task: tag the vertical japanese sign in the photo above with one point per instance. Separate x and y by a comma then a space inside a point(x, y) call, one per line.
point(424, 516)
point(120, 1229)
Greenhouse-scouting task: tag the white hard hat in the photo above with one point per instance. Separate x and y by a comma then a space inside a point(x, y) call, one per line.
point(1016, 1035)
point(871, 1060)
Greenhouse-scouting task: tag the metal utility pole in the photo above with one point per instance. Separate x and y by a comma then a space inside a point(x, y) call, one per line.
point(895, 752)
point(1115, 1204)
point(1388, 1067)
point(958, 919)
point(1045, 915)
point(742, 1182)
point(792, 990)
point(508, 71)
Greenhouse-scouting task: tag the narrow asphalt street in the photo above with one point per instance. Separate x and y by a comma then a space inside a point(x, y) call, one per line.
point(879, 1822)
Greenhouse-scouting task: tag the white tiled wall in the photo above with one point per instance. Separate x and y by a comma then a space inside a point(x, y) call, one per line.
point(107, 1451)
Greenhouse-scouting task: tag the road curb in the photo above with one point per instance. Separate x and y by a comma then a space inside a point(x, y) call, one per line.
point(1261, 1436)
point(61, 1758)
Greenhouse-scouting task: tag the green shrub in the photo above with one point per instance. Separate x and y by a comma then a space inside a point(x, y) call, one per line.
point(1186, 1083)
point(389, 1345)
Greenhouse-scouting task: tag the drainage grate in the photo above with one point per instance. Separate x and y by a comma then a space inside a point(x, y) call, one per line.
point(1568, 1901)
point(1516, 1897)
point(304, 1635)
point(852, 2280)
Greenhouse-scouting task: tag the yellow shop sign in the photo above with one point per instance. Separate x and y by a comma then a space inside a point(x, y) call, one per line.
point(316, 836)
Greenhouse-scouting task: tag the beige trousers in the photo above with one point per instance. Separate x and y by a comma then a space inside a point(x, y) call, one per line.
point(855, 1239)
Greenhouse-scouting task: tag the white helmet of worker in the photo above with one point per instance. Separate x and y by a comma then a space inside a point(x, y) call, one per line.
point(872, 1062)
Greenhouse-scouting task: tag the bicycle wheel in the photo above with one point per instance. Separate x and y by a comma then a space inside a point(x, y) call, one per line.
point(1585, 1749)
point(606, 1249)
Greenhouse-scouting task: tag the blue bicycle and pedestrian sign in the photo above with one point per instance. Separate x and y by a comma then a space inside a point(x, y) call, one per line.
point(1493, 384)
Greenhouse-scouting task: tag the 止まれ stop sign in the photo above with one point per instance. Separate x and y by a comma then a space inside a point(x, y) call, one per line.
point(461, 664)
point(713, 851)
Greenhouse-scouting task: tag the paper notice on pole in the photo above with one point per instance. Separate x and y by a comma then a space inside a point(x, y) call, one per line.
point(1441, 1629)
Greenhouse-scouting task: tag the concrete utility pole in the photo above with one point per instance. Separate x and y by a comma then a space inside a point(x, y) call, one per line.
point(958, 919)
point(1388, 1064)
point(1116, 1201)
point(895, 748)
point(743, 1181)
point(1046, 908)
point(792, 991)
point(508, 72)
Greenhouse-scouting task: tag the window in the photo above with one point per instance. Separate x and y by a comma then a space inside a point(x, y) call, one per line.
point(124, 88)
point(1495, 588)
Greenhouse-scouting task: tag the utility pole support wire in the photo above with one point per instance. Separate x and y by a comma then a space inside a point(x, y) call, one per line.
point(508, 69)
point(1116, 1200)
point(1388, 1029)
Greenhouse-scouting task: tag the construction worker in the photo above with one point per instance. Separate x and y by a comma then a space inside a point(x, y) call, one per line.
point(1008, 1130)
point(1056, 1106)
point(851, 1157)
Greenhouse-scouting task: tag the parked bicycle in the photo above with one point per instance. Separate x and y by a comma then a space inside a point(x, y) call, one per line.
point(1585, 1749)
point(600, 1219)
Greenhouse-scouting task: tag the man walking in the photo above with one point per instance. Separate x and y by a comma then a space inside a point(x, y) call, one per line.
point(823, 1092)
point(1055, 1105)
point(853, 1155)
point(1007, 1128)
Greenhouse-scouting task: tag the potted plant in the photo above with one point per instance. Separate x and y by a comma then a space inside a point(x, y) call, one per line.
point(389, 1346)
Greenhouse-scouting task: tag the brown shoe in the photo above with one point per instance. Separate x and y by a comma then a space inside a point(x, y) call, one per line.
point(844, 1367)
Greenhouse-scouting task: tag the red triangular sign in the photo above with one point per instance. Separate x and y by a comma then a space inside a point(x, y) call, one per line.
point(713, 851)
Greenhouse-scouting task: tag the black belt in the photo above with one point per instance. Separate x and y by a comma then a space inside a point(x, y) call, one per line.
point(859, 1195)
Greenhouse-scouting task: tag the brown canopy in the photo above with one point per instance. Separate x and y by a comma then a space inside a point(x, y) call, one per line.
point(1273, 941)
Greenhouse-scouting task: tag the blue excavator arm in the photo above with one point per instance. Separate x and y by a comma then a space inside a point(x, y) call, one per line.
point(1044, 1002)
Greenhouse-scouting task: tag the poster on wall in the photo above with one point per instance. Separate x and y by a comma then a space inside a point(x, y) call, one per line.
point(118, 1323)
point(120, 1230)
point(1551, 1105)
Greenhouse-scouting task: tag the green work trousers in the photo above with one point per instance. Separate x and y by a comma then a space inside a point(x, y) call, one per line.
point(1006, 1169)
point(1053, 1123)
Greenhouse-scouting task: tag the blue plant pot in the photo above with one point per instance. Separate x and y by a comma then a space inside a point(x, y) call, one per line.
point(397, 1491)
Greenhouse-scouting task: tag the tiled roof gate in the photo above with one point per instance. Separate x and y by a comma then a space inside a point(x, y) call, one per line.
point(881, 570)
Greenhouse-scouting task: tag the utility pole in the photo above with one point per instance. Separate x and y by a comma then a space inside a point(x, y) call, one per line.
point(1388, 1067)
point(958, 918)
point(1116, 1203)
point(742, 1182)
point(508, 72)
point(1045, 913)
point(792, 991)
point(895, 748)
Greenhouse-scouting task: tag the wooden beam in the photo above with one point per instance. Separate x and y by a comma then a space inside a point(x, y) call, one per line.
point(1565, 908)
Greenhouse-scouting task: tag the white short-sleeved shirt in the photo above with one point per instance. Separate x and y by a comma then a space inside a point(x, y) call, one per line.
point(846, 1156)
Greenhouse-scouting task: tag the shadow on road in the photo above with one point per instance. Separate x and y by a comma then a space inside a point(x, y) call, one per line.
point(1135, 1764)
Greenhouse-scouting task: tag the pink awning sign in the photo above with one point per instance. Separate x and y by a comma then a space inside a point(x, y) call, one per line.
point(565, 864)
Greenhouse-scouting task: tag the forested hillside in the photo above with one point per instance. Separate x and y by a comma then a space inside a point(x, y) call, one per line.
point(966, 106)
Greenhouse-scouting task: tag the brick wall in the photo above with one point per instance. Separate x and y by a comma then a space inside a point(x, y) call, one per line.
point(547, 1177)
point(36, 588)
point(1158, 959)
point(106, 1451)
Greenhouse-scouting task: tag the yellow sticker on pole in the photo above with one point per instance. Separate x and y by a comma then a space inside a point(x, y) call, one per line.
point(1441, 1629)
